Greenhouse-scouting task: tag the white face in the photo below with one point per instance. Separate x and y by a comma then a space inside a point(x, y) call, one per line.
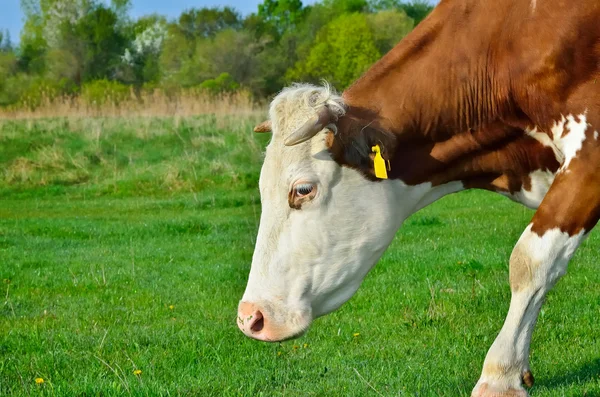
point(322, 228)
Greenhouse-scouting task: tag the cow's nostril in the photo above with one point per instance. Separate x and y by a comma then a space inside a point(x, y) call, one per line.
point(258, 322)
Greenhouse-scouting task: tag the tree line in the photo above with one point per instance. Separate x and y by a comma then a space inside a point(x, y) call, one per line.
point(91, 48)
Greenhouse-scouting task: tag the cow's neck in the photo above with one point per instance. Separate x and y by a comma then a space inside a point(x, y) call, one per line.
point(440, 110)
point(438, 81)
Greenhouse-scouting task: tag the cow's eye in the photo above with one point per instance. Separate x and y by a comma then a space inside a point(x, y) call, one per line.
point(304, 189)
point(301, 192)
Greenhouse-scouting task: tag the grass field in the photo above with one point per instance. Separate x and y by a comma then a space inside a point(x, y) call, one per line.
point(125, 246)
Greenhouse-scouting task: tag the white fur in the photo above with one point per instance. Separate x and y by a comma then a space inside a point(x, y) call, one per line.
point(545, 140)
point(541, 180)
point(548, 256)
point(568, 135)
point(565, 144)
point(573, 142)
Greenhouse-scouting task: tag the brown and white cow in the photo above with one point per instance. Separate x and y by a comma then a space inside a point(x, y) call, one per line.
point(492, 94)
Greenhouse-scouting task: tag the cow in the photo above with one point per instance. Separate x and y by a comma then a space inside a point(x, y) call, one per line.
point(502, 95)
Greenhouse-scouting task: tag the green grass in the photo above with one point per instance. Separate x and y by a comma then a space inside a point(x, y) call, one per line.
point(125, 244)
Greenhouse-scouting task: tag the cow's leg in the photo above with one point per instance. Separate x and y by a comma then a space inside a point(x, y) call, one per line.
point(537, 262)
point(569, 211)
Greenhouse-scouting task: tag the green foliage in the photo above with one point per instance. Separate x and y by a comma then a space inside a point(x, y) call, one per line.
point(280, 15)
point(5, 42)
point(207, 22)
point(100, 41)
point(140, 63)
point(36, 91)
point(221, 84)
point(342, 51)
point(230, 51)
point(8, 68)
point(347, 6)
point(33, 44)
point(8, 65)
point(176, 59)
point(81, 41)
point(416, 9)
point(121, 7)
point(104, 91)
point(389, 27)
point(272, 63)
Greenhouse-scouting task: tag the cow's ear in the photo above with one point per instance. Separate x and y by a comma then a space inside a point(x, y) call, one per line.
point(265, 126)
point(352, 146)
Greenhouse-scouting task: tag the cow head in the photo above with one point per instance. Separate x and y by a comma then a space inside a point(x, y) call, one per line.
point(323, 226)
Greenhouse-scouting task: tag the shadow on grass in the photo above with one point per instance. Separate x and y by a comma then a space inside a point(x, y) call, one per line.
point(585, 373)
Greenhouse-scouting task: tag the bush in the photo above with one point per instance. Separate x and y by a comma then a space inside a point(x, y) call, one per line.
point(101, 92)
point(223, 83)
point(33, 92)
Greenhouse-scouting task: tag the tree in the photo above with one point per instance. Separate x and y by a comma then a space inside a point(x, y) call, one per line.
point(273, 62)
point(181, 60)
point(207, 22)
point(74, 39)
point(33, 46)
point(121, 8)
point(388, 28)
point(140, 61)
point(102, 42)
point(382, 5)
point(230, 51)
point(8, 68)
point(342, 51)
point(347, 6)
point(176, 59)
point(416, 9)
point(280, 15)
point(5, 42)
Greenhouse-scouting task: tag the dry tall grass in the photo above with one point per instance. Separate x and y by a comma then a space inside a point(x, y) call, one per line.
point(156, 103)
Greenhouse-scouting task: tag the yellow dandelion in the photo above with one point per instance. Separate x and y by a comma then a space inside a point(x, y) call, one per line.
point(279, 353)
point(171, 307)
point(137, 371)
point(356, 334)
point(305, 345)
point(39, 381)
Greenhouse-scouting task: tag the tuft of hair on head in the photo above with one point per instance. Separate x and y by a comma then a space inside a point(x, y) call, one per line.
point(300, 101)
point(332, 99)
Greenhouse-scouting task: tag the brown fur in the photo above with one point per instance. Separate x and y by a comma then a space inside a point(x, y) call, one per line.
point(450, 101)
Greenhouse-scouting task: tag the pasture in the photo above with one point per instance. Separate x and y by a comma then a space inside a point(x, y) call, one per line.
point(125, 246)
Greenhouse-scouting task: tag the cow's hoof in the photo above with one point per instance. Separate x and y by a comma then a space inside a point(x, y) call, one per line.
point(487, 390)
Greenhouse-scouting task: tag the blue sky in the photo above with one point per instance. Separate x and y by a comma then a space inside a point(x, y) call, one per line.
point(11, 17)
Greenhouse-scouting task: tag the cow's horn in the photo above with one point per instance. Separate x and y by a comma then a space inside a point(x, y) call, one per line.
point(316, 123)
point(265, 126)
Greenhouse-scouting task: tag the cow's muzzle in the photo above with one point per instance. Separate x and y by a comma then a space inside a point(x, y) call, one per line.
point(258, 323)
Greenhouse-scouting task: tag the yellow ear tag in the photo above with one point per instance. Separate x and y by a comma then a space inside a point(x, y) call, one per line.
point(379, 162)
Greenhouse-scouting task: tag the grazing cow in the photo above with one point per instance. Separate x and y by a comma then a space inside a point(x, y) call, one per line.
point(500, 95)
